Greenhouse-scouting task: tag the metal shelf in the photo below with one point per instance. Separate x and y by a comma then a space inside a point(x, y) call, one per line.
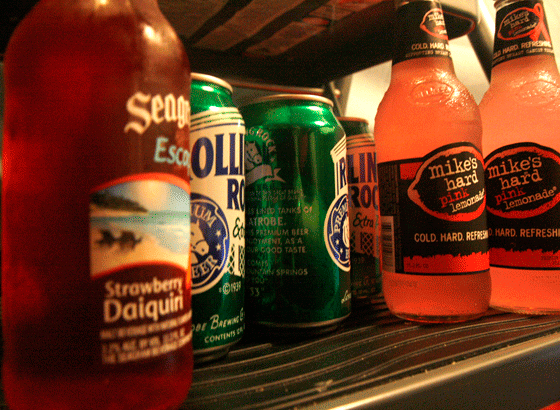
point(300, 43)
point(377, 361)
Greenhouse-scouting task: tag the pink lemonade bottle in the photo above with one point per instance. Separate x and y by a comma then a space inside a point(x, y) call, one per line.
point(435, 263)
point(521, 144)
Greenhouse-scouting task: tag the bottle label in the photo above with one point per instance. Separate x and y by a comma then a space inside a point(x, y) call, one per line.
point(523, 182)
point(139, 259)
point(521, 30)
point(420, 32)
point(433, 217)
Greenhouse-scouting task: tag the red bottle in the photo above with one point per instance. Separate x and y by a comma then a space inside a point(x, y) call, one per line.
point(95, 247)
point(521, 118)
point(431, 179)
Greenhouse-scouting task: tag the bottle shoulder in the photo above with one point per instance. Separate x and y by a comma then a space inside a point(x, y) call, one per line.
point(525, 91)
point(428, 89)
point(522, 103)
point(118, 38)
point(410, 74)
point(525, 69)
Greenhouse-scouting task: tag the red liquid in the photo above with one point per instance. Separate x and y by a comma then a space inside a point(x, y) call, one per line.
point(521, 106)
point(433, 299)
point(69, 72)
point(406, 127)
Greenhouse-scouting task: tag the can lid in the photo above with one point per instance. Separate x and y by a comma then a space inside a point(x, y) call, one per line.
point(306, 97)
point(356, 119)
point(211, 79)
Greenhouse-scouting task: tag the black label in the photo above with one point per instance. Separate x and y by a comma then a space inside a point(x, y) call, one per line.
point(521, 30)
point(433, 212)
point(523, 182)
point(420, 32)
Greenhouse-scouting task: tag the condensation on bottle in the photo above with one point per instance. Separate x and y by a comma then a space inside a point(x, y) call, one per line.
point(431, 178)
point(521, 117)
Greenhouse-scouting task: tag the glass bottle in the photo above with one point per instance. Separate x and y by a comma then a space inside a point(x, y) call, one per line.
point(96, 289)
point(521, 118)
point(431, 178)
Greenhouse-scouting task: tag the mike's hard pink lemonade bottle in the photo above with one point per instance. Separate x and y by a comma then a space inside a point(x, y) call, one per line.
point(96, 288)
point(431, 178)
point(521, 143)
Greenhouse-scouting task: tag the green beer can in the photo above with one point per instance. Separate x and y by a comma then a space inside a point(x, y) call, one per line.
point(355, 126)
point(298, 251)
point(217, 172)
point(363, 210)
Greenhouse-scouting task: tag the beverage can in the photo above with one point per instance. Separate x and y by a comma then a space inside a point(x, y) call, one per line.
point(363, 209)
point(217, 217)
point(355, 126)
point(298, 250)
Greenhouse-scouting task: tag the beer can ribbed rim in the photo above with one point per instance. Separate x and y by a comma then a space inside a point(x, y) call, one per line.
point(211, 79)
point(357, 119)
point(305, 97)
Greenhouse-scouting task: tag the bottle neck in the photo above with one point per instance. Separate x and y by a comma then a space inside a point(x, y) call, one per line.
point(498, 4)
point(148, 4)
point(420, 32)
point(422, 68)
point(521, 33)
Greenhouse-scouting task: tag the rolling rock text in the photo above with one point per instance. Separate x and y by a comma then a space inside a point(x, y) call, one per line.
point(208, 159)
point(362, 186)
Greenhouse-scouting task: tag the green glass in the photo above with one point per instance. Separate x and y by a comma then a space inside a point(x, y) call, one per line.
point(217, 218)
point(298, 255)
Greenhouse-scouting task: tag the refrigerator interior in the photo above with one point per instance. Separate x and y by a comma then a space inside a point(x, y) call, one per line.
point(375, 360)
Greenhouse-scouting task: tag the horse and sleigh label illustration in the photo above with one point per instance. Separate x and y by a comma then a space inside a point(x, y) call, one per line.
point(139, 221)
point(127, 239)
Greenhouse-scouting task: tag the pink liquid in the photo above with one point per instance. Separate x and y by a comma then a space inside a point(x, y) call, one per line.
point(425, 108)
point(69, 73)
point(522, 105)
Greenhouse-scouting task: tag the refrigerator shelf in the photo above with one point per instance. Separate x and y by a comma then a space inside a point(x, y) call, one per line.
point(377, 361)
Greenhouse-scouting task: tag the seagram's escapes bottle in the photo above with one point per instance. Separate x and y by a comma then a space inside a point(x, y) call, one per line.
point(431, 178)
point(96, 209)
point(521, 122)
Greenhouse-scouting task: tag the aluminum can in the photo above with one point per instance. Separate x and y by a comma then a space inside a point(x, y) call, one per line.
point(298, 250)
point(217, 218)
point(363, 210)
point(355, 126)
